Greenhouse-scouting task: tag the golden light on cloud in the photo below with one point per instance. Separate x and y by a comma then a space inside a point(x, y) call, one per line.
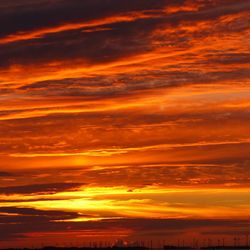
point(102, 203)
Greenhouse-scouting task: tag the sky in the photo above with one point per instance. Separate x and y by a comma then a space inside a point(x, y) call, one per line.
point(124, 119)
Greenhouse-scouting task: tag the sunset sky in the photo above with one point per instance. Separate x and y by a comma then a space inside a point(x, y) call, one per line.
point(124, 119)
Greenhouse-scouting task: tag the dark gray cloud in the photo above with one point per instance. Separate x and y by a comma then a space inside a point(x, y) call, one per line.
point(123, 38)
point(34, 16)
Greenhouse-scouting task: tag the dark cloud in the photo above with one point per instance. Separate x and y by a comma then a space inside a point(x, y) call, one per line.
point(28, 17)
point(5, 174)
point(20, 221)
point(93, 47)
point(94, 87)
point(122, 39)
point(40, 188)
point(29, 215)
point(143, 227)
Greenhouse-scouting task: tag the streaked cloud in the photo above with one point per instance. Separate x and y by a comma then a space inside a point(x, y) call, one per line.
point(128, 119)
